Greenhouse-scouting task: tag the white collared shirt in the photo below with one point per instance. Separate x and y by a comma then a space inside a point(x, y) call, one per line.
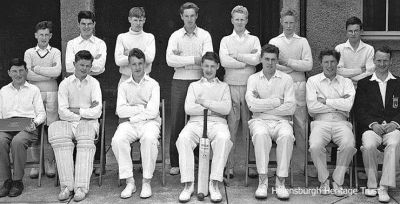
point(25, 102)
point(351, 61)
point(333, 92)
point(139, 101)
point(382, 84)
point(271, 92)
point(95, 45)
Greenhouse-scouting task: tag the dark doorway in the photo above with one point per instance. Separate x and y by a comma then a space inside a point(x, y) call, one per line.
point(162, 18)
point(17, 26)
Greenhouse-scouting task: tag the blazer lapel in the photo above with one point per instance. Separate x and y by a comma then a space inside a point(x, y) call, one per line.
point(389, 93)
point(375, 89)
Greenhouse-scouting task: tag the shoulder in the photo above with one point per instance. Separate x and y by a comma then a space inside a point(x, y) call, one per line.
point(148, 35)
point(73, 41)
point(364, 82)
point(152, 81)
point(313, 78)
point(285, 76)
point(339, 47)
point(32, 87)
point(30, 50)
point(98, 40)
point(55, 50)
point(177, 33)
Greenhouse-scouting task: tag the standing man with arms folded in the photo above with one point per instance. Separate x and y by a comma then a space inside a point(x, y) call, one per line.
point(79, 107)
point(329, 101)
point(134, 38)
point(18, 99)
point(295, 59)
point(270, 96)
point(240, 53)
point(356, 57)
point(96, 46)
point(378, 114)
point(185, 48)
point(44, 66)
point(138, 109)
point(212, 94)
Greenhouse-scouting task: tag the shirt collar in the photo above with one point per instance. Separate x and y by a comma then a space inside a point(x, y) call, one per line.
point(134, 32)
point(276, 75)
point(91, 39)
point(234, 34)
point(323, 78)
point(145, 78)
point(195, 31)
point(375, 78)
point(74, 79)
point(26, 84)
point(360, 46)
point(282, 35)
point(48, 48)
point(215, 80)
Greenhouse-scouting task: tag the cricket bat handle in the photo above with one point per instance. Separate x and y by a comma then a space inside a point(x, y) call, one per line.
point(205, 123)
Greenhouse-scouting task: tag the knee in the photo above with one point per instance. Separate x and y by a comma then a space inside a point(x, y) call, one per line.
point(286, 135)
point(183, 140)
point(17, 142)
point(3, 141)
point(58, 130)
point(85, 131)
point(315, 145)
point(149, 138)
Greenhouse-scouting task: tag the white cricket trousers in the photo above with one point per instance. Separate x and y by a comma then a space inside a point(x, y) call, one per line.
point(147, 133)
point(370, 142)
point(219, 136)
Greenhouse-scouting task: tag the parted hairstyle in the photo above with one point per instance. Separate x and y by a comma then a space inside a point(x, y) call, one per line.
point(137, 12)
point(16, 62)
point(83, 54)
point(189, 5)
point(44, 25)
point(86, 15)
point(240, 9)
point(269, 48)
point(210, 56)
point(354, 21)
point(329, 52)
point(136, 52)
point(384, 49)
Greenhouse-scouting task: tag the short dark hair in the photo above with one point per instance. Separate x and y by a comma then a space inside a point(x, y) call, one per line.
point(384, 49)
point(210, 56)
point(354, 21)
point(44, 25)
point(86, 15)
point(17, 62)
point(83, 55)
point(137, 12)
point(189, 5)
point(269, 48)
point(136, 52)
point(328, 52)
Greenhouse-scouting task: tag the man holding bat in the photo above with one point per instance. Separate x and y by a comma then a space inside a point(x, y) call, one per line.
point(270, 96)
point(212, 94)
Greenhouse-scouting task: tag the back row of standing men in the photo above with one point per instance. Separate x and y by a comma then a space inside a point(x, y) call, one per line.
point(239, 53)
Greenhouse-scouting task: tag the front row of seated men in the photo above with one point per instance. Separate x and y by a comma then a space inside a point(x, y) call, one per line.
point(270, 97)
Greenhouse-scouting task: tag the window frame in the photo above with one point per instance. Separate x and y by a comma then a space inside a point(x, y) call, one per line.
point(380, 35)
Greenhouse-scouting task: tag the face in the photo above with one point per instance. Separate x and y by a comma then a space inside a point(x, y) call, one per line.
point(137, 23)
point(288, 24)
point(82, 68)
point(209, 68)
point(137, 67)
point(18, 74)
point(269, 61)
point(189, 18)
point(86, 27)
point(353, 33)
point(382, 61)
point(329, 66)
point(239, 22)
point(43, 37)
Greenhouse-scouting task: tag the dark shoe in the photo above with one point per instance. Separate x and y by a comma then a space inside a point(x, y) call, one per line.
point(230, 173)
point(17, 188)
point(5, 189)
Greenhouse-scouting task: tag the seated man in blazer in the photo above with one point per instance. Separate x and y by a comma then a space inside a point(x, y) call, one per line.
point(378, 112)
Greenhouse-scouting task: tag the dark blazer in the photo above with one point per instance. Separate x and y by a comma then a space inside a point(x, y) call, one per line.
point(369, 105)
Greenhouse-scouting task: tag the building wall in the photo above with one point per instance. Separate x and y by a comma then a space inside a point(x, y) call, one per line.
point(325, 23)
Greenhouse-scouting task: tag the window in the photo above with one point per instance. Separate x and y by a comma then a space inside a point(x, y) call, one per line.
point(381, 19)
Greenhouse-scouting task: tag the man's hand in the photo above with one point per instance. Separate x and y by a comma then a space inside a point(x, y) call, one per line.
point(346, 96)
point(94, 104)
point(122, 120)
point(390, 127)
point(234, 55)
point(201, 101)
point(54, 64)
point(177, 52)
point(282, 101)
point(283, 62)
point(126, 52)
point(197, 60)
point(31, 127)
point(363, 69)
point(253, 51)
point(378, 129)
point(74, 110)
point(97, 56)
point(321, 100)
point(256, 94)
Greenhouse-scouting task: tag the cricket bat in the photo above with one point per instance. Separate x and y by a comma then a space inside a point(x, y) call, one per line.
point(204, 162)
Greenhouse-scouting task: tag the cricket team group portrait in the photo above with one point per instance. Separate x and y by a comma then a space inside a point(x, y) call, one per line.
point(270, 111)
